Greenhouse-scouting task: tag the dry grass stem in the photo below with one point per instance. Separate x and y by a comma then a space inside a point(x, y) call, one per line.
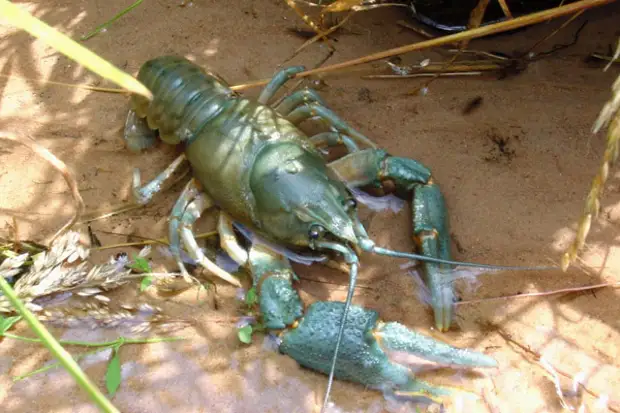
point(541, 294)
point(418, 30)
point(476, 17)
point(109, 212)
point(610, 117)
point(441, 69)
point(428, 74)
point(505, 8)
point(615, 58)
point(504, 26)
point(60, 167)
point(163, 241)
point(610, 59)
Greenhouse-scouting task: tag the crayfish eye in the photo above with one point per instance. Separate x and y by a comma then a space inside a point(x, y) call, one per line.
point(316, 232)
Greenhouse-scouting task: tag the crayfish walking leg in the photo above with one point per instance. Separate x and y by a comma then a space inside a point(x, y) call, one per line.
point(188, 208)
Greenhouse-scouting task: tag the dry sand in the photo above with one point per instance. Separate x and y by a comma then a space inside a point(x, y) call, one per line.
point(515, 202)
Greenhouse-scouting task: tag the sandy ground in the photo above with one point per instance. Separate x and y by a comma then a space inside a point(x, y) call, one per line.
point(512, 203)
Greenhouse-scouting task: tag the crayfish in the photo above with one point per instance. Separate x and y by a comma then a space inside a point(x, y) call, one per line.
point(251, 161)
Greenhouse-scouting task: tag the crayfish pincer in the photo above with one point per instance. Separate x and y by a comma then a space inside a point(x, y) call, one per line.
point(252, 162)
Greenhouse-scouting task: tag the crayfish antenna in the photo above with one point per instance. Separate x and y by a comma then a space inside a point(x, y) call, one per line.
point(411, 256)
point(351, 259)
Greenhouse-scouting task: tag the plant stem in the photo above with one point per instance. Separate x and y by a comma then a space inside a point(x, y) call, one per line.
point(53, 365)
point(56, 349)
point(118, 341)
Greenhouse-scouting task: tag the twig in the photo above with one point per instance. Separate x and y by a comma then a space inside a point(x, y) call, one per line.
point(505, 8)
point(60, 167)
point(540, 294)
point(503, 26)
point(553, 33)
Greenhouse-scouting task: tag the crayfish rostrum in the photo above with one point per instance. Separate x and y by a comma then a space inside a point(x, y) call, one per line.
point(250, 160)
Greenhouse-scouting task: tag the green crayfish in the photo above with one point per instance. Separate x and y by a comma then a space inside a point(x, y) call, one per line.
point(250, 160)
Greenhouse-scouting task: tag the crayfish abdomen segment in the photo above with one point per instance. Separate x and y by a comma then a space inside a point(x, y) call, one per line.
point(185, 97)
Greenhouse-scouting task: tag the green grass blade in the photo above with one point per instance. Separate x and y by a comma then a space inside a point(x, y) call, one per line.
point(71, 48)
point(98, 29)
point(113, 374)
point(245, 334)
point(56, 349)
